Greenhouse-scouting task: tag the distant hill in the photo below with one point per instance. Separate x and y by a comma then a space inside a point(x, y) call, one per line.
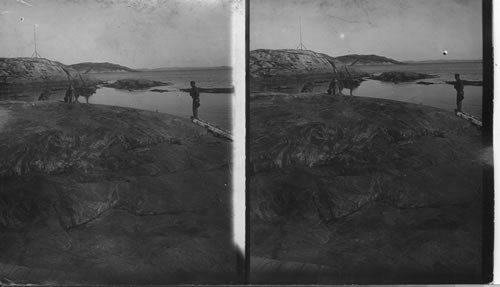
point(185, 68)
point(355, 59)
point(441, 61)
point(89, 67)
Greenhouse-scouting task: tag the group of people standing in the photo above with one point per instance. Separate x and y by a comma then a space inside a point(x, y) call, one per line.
point(341, 81)
point(72, 94)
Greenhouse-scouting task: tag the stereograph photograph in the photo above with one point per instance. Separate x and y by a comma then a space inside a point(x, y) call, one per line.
point(361, 152)
point(368, 142)
point(115, 142)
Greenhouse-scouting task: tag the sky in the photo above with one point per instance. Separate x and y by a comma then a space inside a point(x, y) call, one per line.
point(404, 30)
point(133, 33)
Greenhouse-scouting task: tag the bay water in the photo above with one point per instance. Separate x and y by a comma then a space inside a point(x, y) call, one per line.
point(439, 94)
point(215, 108)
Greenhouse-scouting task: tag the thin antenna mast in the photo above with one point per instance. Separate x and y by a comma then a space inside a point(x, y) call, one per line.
point(301, 46)
point(300, 27)
point(35, 54)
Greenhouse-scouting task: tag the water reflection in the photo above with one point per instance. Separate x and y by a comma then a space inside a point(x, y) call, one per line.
point(215, 108)
point(33, 92)
point(439, 94)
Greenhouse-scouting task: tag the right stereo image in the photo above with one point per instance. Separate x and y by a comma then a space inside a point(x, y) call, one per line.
point(370, 157)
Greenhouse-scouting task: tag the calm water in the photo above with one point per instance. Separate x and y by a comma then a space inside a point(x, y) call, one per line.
point(440, 95)
point(215, 108)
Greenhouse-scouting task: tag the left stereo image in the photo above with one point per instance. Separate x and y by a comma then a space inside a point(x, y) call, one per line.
point(116, 143)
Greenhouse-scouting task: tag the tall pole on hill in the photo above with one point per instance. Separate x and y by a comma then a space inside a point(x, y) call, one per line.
point(301, 46)
point(35, 54)
point(300, 29)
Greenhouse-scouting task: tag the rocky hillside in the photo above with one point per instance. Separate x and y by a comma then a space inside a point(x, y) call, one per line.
point(355, 59)
point(289, 62)
point(358, 190)
point(36, 70)
point(96, 194)
point(265, 63)
point(89, 67)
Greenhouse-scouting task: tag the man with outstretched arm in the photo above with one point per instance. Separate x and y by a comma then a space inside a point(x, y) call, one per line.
point(459, 87)
point(195, 94)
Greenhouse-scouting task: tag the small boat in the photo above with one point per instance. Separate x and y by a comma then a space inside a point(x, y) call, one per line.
point(213, 128)
point(475, 121)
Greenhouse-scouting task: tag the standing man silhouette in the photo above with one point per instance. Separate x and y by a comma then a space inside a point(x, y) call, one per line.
point(459, 87)
point(195, 94)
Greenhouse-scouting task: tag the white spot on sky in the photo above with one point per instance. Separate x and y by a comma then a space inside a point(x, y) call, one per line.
point(445, 52)
point(342, 35)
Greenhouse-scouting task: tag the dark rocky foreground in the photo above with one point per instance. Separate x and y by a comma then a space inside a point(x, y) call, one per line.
point(105, 195)
point(365, 191)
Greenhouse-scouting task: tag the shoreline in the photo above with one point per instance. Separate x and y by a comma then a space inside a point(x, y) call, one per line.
point(282, 96)
point(440, 95)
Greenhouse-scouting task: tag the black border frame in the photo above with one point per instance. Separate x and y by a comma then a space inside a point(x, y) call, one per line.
point(488, 171)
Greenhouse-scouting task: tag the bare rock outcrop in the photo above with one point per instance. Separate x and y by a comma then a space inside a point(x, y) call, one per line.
point(287, 62)
point(25, 71)
point(358, 190)
point(267, 63)
point(399, 76)
point(135, 84)
point(95, 194)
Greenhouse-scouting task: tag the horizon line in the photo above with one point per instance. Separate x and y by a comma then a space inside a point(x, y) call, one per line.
point(370, 54)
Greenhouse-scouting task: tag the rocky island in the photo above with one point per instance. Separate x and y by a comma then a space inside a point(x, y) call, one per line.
point(359, 190)
point(401, 76)
point(134, 84)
